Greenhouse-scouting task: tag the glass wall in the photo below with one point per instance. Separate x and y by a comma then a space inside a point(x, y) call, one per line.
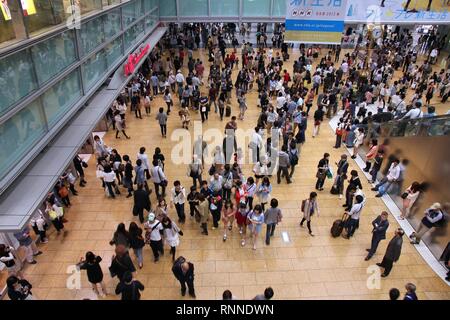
point(279, 8)
point(167, 8)
point(16, 78)
point(111, 23)
point(133, 34)
point(19, 133)
point(113, 51)
point(11, 23)
point(193, 8)
point(43, 14)
point(60, 98)
point(92, 35)
point(256, 8)
point(129, 13)
point(150, 22)
point(87, 6)
point(225, 8)
point(53, 55)
point(94, 69)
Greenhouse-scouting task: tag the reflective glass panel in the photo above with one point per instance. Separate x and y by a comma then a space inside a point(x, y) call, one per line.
point(94, 69)
point(91, 35)
point(193, 8)
point(225, 8)
point(256, 8)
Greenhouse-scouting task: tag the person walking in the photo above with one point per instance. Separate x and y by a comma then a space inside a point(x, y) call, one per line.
point(153, 236)
point(120, 125)
point(318, 119)
point(162, 120)
point(203, 209)
point(272, 217)
point(195, 171)
point(268, 294)
point(359, 140)
point(178, 198)
point(121, 263)
point(91, 264)
point(79, 165)
point(322, 169)
point(263, 191)
point(228, 215)
point(184, 273)
point(25, 241)
point(127, 181)
point(310, 206)
point(354, 213)
point(283, 165)
point(159, 179)
point(137, 242)
point(256, 221)
point(171, 235)
point(121, 236)
point(380, 225)
point(393, 252)
point(129, 288)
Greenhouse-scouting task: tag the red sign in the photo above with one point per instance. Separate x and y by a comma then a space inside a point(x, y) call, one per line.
point(134, 59)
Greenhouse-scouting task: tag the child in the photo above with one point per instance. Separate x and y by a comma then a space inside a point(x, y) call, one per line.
point(251, 190)
point(241, 219)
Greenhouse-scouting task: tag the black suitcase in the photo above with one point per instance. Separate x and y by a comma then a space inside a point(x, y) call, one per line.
point(338, 227)
point(334, 190)
point(228, 111)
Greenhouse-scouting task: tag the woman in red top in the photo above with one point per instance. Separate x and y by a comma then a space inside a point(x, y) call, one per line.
point(370, 156)
point(228, 213)
point(286, 77)
point(240, 193)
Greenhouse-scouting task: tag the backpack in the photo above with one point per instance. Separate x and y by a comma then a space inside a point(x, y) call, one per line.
point(293, 158)
point(303, 205)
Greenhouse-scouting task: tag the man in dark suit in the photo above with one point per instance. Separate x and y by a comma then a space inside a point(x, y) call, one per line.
point(380, 225)
point(141, 202)
point(393, 252)
point(184, 272)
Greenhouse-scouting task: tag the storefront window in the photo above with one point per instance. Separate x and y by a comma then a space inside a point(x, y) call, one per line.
point(43, 14)
point(113, 52)
point(91, 35)
point(87, 6)
point(18, 134)
point(16, 79)
point(193, 8)
point(61, 97)
point(12, 28)
point(256, 8)
point(129, 13)
point(53, 55)
point(94, 69)
point(111, 23)
point(225, 8)
point(150, 22)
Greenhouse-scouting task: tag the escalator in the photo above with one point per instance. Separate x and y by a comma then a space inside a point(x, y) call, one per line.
point(425, 145)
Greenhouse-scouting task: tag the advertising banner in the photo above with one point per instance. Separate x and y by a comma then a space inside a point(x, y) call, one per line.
point(315, 21)
point(398, 11)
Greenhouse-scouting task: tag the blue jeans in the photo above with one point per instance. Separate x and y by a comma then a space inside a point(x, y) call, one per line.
point(139, 255)
point(270, 231)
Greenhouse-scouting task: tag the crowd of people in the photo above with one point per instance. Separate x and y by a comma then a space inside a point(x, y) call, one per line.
point(356, 83)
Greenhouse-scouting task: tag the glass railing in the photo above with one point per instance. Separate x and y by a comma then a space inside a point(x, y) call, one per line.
point(434, 126)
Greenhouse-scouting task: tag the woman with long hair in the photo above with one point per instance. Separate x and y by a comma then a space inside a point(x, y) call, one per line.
point(91, 264)
point(256, 221)
point(171, 235)
point(228, 214)
point(409, 198)
point(137, 242)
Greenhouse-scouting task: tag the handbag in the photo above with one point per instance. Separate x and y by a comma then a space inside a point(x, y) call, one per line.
point(84, 164)
point(163, 183)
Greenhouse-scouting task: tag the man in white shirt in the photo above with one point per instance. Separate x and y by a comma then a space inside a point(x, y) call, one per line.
point(414, 113)
point(392, 176)
point(180, 79)
point(178, 198)
point(354, 214)
point(145, 162)
point(344, 67)
point(154, 227)
point(255, 145)
point(281, 100)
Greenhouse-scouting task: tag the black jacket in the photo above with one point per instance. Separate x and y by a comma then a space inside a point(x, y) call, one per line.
point(20, 295)
point(342, 167)
point(119, 265)
point(184, 277)
point(380, 227)
point(130, 291)
point(394, 248)
point(141, 200)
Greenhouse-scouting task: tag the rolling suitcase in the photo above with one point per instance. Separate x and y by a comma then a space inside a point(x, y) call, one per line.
point(228, 111)
point(337, 227)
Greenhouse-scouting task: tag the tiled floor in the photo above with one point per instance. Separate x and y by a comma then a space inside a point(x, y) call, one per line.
point(305, 268)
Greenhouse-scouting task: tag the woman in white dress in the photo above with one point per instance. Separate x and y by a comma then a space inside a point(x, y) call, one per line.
point(359, 140)
point(171, 235)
